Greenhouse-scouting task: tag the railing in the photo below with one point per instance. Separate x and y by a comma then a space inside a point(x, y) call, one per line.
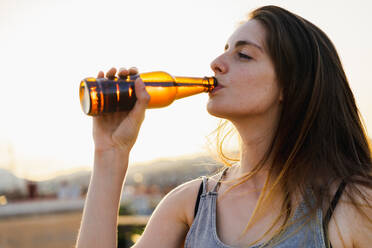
point(130, 228)
point(55, 224)
point(133, 220)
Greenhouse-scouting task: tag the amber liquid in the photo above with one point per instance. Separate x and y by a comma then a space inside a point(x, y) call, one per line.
point(101, 95)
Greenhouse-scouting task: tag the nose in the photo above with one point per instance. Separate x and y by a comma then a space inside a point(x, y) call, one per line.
point(218, 65)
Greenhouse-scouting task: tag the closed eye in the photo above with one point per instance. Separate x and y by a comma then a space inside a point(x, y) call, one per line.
point(244, 56)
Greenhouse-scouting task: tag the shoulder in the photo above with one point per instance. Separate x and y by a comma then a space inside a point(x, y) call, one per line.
point(352, 223)
point(189, 190)
point(185, 195)
point(169, 223)
point(183, 199)
point(360, 216)
point(185, 191)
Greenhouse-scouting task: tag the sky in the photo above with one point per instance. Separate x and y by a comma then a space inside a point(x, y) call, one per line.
point(48, 46)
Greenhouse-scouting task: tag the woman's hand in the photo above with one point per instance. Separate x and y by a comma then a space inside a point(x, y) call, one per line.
point(118, 131)
point(114, 136)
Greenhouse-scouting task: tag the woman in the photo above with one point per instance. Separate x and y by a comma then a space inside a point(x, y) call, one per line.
point(304, 176)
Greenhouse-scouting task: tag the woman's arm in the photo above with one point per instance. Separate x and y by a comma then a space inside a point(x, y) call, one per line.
point(114, 136)
point(167, 226)
point(99, 222)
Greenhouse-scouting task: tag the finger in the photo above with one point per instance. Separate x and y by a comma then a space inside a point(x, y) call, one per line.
point(101, 74)
point(123, 72)
point(135, 117)
point(143, 99)
point(133, 71)
point(111, 73)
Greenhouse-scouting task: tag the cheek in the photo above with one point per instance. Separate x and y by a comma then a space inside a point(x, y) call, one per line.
point(250, 92)
point(265, 98)
point(263, 90)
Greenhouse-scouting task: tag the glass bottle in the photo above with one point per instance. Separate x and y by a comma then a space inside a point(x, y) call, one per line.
point(102, 95)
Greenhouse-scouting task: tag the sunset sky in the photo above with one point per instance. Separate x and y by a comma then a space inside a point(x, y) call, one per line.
point(48, 46)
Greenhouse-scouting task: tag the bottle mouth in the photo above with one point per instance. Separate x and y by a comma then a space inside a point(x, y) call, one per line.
point(84, 97)
point(215, 82)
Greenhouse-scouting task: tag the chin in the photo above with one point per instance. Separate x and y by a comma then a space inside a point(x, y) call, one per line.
point(217, 111)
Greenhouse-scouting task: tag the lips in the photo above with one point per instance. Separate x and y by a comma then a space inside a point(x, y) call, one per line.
point(216, 88)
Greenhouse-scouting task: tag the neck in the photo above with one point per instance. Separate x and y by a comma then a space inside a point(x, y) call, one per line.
point(256, 136)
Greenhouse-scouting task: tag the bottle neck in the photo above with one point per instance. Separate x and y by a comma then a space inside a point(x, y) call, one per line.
point(206, 82)
point(193, 85)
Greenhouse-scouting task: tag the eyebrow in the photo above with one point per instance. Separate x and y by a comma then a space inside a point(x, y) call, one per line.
point(245, 43)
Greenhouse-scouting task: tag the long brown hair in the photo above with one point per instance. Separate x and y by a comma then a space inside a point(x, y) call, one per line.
point(320, 138)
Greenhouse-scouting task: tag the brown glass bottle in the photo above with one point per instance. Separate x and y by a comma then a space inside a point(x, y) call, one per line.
point(102, 95)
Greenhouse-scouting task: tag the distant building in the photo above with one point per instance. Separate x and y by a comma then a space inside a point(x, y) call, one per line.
point(68, 191)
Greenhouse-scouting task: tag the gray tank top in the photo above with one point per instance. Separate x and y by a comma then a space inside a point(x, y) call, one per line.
point(203, 232)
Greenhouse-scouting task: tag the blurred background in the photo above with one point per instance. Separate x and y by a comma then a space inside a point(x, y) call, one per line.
point(46, 149)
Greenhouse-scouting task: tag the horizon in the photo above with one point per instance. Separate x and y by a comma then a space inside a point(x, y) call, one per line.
point(87, 169)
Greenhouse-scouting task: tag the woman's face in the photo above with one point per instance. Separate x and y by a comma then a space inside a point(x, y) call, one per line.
point(247, 82)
